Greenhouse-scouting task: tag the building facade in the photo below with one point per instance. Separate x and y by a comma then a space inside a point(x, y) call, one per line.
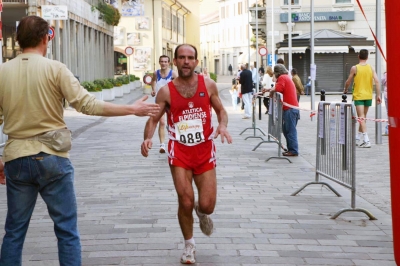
point(238, 17)
point(83, 41)
point(153, 28)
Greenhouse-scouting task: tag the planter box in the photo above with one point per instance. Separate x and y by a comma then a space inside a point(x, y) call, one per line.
point(138, 84)
point(97, 94)
point(119, 92)
point(108, 94)
point(126, 88)
point(132, 85)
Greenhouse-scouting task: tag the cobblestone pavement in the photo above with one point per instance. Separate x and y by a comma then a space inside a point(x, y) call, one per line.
point(127, 204)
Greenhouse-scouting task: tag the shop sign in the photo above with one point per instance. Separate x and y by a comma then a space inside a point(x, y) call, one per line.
point(319, 16)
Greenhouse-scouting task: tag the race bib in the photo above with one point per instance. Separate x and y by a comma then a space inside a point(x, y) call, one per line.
point(189, 132)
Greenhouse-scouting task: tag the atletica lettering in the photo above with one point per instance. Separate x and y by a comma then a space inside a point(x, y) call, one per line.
point(192, 110)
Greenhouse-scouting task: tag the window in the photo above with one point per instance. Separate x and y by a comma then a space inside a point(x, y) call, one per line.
point(174, 23)
point(240, 8)
point(166, 19)
point(293, 2)
point(286, 36)
point(223, 12)
point(343, 1)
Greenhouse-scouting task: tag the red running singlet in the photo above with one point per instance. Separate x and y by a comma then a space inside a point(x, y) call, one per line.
point(190, 130)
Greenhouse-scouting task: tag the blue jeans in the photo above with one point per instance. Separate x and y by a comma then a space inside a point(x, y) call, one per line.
point(289, 123)
point(53, 178)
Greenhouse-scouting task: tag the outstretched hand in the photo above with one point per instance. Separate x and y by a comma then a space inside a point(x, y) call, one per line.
point(141, 108)
point(146, 146)
point(221, 130)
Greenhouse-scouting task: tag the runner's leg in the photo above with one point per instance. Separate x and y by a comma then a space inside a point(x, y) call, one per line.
point(206, 184)
point(183, 186)
point(161, 129)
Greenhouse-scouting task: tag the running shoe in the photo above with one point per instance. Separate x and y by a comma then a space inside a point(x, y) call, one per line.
point(188, 254)
point(162, 148)
point(358, 142)
point(365, 145)
point(206, 223)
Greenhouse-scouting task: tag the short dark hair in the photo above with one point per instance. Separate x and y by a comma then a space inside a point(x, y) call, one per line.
point(31, 30)
point(185, 44)
point(363, 55)
point(164, 56)
point(280, 61)
point(294, 71)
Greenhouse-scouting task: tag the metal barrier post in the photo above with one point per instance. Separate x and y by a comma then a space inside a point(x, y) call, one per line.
point(275, 125)
point(322, 96)
point(253, 122)
point(336, 154)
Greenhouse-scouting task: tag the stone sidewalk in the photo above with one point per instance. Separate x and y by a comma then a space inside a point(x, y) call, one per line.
point(127, 204)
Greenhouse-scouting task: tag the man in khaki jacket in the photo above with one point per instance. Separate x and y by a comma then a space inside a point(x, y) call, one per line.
point(36, 160)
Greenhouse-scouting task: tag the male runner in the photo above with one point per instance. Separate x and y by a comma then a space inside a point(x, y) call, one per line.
point(364, 76)
point(188, 100)
point(160, 78)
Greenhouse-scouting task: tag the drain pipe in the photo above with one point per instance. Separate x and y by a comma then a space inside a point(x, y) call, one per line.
point(170, 11)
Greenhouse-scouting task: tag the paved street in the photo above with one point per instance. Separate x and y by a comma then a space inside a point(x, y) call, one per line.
point(127, 204)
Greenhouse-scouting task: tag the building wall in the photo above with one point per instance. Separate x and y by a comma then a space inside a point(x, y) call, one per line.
point(170, 23)
point(358, 27)
point(233, 37)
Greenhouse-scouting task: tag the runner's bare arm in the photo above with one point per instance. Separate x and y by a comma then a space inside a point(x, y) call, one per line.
point(162, 100)
point(349, 79)
point(377, 87)
point(153, 84)
point(219, 109)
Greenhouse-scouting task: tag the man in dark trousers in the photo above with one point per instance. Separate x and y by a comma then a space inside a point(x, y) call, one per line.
point(230, 68)
point(246, 90)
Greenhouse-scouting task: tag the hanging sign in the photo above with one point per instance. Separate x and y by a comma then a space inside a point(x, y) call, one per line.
point(54, 12)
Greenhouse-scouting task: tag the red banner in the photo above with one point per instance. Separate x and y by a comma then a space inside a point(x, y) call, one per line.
point(392, 41)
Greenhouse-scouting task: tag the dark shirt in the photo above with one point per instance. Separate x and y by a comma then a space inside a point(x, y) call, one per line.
point(246, 81)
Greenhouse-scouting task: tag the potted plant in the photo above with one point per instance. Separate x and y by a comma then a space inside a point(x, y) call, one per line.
point(93, 88)
point(132, 82)
point(125, 82)
point(108, 90)
point(118, 87)
point(138, 83)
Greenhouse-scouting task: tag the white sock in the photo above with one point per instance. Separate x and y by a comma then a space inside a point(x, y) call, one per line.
point(358, 136)
point(190, 241)
point(366, 139)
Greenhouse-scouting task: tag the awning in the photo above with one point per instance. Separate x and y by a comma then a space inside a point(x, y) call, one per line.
point(370, 49)
point(295, 50)
point(331, 49)
point(244, 57)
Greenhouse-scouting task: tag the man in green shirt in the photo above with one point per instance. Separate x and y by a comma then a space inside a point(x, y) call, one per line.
point(36, 154)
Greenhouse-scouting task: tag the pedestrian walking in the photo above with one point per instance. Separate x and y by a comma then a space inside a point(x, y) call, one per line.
point(290, 117)
point(297, 83)
point(246, 89)
point(364, 76)
point(230, 69)
point(160, 78)
point(385, 97)
point(36, 153)
point(188, 100)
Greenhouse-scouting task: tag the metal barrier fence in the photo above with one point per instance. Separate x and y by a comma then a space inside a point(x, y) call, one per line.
point(275, 125)
point(336, 152)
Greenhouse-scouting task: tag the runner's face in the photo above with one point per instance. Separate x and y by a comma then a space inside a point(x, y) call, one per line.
point(185, 61)
point(164, 64)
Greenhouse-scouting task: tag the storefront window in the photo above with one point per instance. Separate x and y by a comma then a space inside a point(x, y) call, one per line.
point(343, 1)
